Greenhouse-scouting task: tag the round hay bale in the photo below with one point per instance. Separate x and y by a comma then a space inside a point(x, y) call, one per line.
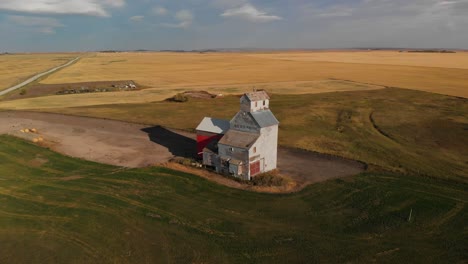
point(22, 130)
point(35, 140)
point(26, 130)
point(33, 130)
point(40, 139)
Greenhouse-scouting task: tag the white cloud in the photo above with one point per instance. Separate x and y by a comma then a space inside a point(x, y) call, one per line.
point(228, 3)
point(184, 15)
point(76, 7)
point(40, 24)
point(114, 3)
point(336, 11)
point(387, 23)
point(137, 18)
point(249, 12)
point(184, 18)
point(159, 11)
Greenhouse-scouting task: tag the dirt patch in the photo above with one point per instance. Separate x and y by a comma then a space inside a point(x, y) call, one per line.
point(71, 178)
point(307, 167)
point(38, 161)
point(214, 177)
point(184, 97)
point(199, 94)
point(104, 141)
point(38, 90)
point(134, 146)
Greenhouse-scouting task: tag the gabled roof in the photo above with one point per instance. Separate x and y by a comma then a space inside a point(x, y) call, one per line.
point(239, 139)
point(264, 118)
point(257, 96)
point(213, 125)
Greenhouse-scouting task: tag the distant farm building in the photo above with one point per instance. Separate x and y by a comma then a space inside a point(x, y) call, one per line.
point(245, 146)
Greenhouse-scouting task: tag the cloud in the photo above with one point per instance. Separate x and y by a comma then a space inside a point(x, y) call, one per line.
point(137, 18)
point(251, 13)
point(336, 11)
point(41, 24)
point(159, 11)
point(386, 23)
point(184, 17)
point(228, 3)
point(74, 7)
point(379, 10)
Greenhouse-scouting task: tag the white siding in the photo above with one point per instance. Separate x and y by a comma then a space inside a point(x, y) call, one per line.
point(248, 106)
point(267, 148)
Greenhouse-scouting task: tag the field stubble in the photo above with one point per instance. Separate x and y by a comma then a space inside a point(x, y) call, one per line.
point(18, 67)
point(232, 73)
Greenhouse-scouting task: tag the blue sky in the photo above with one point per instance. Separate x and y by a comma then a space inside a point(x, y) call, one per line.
point(81, 25)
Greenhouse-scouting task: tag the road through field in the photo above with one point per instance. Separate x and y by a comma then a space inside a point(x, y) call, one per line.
point(134, 145)
point(32, 79)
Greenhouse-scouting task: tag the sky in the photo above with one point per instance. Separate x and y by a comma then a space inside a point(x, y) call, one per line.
point(91, 25)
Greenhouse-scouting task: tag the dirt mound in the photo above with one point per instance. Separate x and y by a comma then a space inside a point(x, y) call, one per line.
point(199, 94)
point(184, 97)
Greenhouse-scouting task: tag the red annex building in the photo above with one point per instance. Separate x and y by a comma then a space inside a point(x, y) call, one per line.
point(209, 132)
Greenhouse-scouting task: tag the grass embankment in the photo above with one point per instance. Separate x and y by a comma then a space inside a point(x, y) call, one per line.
point(400, 130)
point(58, 209)
point(18, 67)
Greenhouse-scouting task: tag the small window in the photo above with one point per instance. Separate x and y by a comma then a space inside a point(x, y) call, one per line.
point(255, 104)
point(264, 103)
point(255, 150)
point(231, 149)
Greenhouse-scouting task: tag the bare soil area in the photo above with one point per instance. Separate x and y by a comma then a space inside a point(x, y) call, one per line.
point(307, 167)
point(134, 145)
point(38, 90)
point(103, 141)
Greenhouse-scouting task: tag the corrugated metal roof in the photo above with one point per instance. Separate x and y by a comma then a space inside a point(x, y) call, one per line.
point(213, 125)
point(235, 162)
point(265, 118)
point(239, 139)
point(257, 96)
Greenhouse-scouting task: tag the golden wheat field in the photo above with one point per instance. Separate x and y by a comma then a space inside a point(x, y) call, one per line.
point(18, 67)
point(442, 60)
point(163, 74)
point(434, 72)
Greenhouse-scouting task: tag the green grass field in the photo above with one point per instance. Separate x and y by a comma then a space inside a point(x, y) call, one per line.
point(401, 130)
point(55, 209)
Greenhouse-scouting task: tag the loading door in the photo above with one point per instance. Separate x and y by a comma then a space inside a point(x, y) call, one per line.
point(254, 168)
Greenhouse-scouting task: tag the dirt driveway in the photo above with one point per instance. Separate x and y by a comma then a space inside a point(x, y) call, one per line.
point(133, 145)
point(103, 141)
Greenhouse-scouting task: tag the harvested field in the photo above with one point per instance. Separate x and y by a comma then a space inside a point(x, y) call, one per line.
point(16, 68)
point(132, 145)
point(158, 94)
point(439, 73)
point(458, 60)
point(231, 73)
